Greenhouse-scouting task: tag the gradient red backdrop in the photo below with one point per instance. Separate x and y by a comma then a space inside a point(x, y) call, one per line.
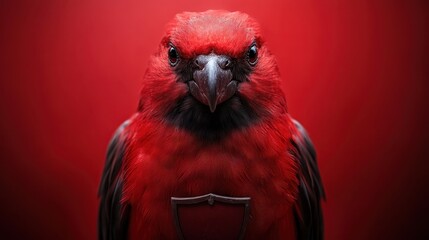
point(355, 74)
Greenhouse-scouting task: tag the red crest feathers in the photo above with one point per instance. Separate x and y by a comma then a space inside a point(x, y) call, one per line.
point(222, 32)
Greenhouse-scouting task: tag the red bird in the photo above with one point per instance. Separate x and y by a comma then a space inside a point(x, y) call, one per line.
point(212, 131)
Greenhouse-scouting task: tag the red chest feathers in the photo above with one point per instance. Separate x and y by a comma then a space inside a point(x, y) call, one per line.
point(169, 163)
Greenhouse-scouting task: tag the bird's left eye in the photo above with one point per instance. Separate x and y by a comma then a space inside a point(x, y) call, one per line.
point(252, 55)
point(173, 56)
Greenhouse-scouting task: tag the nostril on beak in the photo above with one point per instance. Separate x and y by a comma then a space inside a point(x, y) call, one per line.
point(198, 64)
point(224, 63)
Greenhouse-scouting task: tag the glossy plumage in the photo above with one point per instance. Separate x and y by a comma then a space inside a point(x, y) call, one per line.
point(175, 146)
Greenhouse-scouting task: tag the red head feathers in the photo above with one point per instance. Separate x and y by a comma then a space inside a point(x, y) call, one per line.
point(234, 38)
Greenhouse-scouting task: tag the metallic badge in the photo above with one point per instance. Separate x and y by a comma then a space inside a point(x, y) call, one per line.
point(211, 217)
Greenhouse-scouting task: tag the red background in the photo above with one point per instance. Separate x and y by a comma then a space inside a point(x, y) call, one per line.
point(355, 74)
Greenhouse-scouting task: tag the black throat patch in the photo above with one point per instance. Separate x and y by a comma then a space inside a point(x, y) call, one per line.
point(195, 117)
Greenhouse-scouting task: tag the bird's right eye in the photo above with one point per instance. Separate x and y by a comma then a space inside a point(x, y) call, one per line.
point(173, 56)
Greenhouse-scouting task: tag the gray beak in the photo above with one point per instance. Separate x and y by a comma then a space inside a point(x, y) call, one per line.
point(213, 82)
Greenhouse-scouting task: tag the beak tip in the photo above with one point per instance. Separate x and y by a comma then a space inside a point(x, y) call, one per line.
point(212, 102)
point(212, 108)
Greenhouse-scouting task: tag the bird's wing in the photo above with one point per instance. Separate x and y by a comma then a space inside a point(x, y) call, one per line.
point(307, 210)
point(113, 215)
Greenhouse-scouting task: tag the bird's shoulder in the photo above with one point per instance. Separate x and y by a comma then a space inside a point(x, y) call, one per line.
point(113, 213)
point(307, 209)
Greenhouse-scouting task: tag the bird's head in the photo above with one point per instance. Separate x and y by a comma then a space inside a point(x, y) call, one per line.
point(212, 71)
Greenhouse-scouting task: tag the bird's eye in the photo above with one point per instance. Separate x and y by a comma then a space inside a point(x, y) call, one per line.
point(252, 55)
point(173, 56)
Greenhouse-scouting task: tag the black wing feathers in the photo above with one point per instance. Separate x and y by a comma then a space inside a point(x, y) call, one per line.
point(308, 212)
point(113, 216)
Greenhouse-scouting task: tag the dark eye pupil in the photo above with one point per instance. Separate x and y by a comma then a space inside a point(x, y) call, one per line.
point(252, 55)
point(173, 56)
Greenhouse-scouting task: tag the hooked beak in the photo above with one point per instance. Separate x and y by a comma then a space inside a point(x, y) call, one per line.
point(212, 80)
